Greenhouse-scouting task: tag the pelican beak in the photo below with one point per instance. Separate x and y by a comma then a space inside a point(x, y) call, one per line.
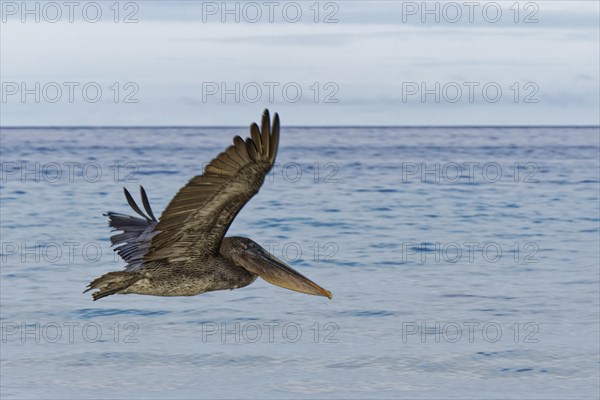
point(276, 272)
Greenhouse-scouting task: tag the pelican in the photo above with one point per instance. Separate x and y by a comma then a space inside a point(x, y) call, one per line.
point(186, 253)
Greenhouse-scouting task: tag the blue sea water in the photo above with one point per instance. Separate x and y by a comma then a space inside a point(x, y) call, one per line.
point(464, 263)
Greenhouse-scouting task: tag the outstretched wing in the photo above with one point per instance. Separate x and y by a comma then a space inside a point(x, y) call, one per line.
point(196, 220)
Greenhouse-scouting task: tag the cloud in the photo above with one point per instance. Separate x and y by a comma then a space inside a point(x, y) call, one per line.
point(362, 64)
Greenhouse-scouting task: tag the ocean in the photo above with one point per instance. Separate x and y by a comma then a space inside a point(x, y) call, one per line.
point(463, 261)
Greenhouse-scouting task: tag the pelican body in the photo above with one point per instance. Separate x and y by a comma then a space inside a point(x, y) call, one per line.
point(186, 253)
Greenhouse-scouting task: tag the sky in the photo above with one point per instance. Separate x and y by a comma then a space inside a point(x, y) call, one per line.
point(328, 63)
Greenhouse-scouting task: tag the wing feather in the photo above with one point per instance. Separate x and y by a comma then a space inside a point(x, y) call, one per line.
point(134, 205)
point(146, 203)
point(256, 138)
point(266, 128)
point(274, 140)
point(251, 149)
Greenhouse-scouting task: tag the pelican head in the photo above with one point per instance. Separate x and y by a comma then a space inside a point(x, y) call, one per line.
point(249, 255)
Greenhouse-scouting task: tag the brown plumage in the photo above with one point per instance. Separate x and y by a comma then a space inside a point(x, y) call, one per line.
point(185, 252)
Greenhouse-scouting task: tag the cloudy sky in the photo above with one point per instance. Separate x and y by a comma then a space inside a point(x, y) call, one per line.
point(329, 63)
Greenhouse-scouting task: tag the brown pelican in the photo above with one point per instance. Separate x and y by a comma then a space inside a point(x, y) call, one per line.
point(185, 253)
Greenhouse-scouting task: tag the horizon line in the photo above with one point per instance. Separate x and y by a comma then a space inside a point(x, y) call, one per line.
point(288, 126)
